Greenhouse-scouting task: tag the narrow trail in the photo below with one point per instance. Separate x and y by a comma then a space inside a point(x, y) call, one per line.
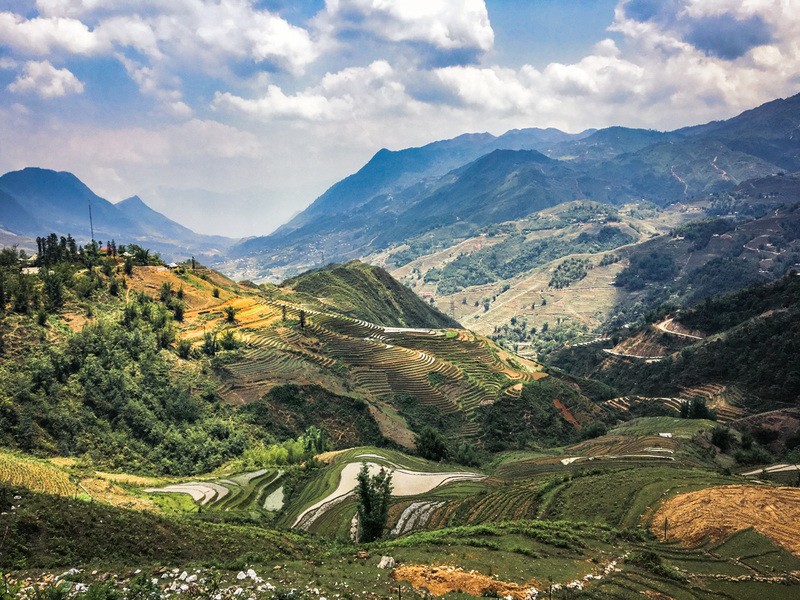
point(678, 177)
point(723, 173)
point(664, 328)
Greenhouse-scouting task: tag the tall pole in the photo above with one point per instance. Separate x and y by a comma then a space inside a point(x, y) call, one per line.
point(91, 224)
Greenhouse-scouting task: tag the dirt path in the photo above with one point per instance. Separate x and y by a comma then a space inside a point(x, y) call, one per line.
point(664, 328)
point(715, 513)
point(678, 177)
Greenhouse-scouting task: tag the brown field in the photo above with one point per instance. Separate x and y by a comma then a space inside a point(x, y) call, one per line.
point(716, 513)
point(110, 493)
point(440, 580)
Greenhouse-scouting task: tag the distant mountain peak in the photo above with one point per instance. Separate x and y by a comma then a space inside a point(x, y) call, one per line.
point(133, 202)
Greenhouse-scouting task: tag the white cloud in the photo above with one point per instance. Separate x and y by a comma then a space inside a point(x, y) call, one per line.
point(352, 93)
point(42, 36)
point(442, 24)
point(276, 104)
point(201, 34)
point(46, 81)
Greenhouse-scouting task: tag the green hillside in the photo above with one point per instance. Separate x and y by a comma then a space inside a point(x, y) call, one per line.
point(366, 292)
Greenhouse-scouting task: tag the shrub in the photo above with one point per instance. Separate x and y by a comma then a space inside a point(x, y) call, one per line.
point(722, 438)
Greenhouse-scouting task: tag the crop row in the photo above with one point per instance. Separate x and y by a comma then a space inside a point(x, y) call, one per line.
point(34, 475)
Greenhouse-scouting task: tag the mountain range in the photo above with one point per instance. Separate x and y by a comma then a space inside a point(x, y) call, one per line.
point(457, 186)
point(35, 202)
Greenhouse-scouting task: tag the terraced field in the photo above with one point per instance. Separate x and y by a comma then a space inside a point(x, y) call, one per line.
point(726, 401)
point(447, 369)
point(256, 491)
point(327, 503)
point(35, 475)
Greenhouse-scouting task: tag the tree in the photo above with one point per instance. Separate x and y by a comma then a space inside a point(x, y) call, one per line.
point(230, 314)
point(128, 267)
point(373, 493)
point(722, 438)
point(302, 319)
point(430, 444)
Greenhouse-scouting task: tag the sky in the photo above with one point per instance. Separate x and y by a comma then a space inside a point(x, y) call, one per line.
point(232, 115)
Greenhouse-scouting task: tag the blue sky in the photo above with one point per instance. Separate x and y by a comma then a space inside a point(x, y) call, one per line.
point(231, 115)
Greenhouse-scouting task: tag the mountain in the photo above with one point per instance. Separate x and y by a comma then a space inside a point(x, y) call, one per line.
point(500, 186)
point(35, 202)
point(388, 184)
point(156, 227)
point(744, 343)
point(400, 195)
point(60, 202)
point(366, 292)
point(13, 217)
point(607, 143)
point(770, 131)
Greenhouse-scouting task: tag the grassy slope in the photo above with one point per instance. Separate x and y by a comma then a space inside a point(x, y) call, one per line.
point(370, 293)
point(47, 530)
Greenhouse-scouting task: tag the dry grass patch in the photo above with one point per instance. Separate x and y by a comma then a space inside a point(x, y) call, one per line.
point(716, 513)
point(110, 493)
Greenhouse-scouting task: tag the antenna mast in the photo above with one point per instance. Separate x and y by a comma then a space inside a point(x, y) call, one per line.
point(91, 224)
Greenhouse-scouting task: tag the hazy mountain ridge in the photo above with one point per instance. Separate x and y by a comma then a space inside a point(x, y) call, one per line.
point(36, 201)
point(395, 197)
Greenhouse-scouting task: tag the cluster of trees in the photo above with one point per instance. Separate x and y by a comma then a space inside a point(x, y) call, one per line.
point(648, 267)
point(109, 393)
point(570, 271)
point(373, 493)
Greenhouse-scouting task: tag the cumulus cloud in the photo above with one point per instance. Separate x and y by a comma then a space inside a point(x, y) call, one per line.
point(45, 80)
point(196, 35)
point(718, 28)
point(458, 32)
point(42, 36)
point(355, 92)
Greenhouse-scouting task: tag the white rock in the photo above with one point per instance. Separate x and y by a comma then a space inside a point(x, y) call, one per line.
point(241, 575)
point(183, 576)
point(387, 562)
point(184, 587)
point(238, 591)
point(252, 574)
point(191, 578)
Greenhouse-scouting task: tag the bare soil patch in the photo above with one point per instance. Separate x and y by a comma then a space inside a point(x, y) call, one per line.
point(716, 513)
point(441, 579)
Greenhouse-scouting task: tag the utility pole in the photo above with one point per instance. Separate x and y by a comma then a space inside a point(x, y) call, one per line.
point(91, 224)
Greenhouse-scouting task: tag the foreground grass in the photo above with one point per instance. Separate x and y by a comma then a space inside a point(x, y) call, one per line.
point(50, 531)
